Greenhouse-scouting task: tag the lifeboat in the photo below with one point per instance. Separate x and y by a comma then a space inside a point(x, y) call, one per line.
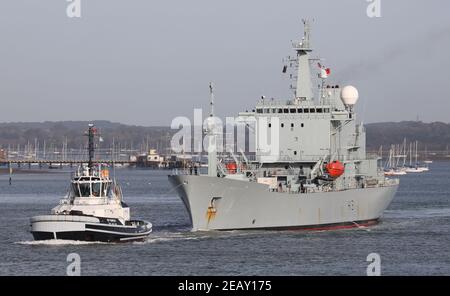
point(335, 169)
point(231, 167)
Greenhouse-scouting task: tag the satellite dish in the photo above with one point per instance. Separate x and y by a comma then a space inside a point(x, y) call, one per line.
point(349, 95)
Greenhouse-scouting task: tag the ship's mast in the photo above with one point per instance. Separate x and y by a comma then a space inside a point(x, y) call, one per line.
point(303, 48)
point(90, 134)
point(212, 155)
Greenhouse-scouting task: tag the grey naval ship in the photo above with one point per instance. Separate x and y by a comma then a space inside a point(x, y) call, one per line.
point(320, 177)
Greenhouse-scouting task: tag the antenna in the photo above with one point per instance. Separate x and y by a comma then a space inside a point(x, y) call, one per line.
point(306, 33)
point(211, 103)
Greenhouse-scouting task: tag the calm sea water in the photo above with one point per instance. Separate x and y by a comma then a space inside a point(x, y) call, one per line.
point(413, 238)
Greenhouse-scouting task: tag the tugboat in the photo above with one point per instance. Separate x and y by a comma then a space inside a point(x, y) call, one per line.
point(92, 210)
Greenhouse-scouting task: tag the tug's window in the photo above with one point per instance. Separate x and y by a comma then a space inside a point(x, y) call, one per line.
point(286, 110)
point(96, 189)
point(107, 189)
point(85, 189)
point(293, 110)
point(76, 190)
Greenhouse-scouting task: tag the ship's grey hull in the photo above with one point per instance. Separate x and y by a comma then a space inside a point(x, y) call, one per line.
point(248, 205)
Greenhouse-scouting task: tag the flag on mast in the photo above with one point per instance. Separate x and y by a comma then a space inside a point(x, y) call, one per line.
point(324, 72)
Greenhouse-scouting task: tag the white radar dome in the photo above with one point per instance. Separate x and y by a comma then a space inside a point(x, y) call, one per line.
point(349, 95)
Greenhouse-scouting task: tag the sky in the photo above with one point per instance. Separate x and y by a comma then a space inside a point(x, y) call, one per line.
point(146, 62)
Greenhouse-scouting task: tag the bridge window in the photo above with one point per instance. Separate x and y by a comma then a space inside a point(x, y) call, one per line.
point(76, 190)
point(85, 189)
point(96, 189)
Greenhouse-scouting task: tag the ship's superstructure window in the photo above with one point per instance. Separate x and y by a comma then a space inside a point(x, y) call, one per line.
point(312, 110)
point(302, 125)
point(282, 125)
point(293, 110)
point(319, 110)
point(306, 110)
point(286, 110)
point(326, 110)
point(295, 152)
point(270, 125)
point(299, 110)
point(258, 110)
point(280, 110)
point(292, 125)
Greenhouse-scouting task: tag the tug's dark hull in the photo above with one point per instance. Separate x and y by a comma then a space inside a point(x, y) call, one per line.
point(60, 227)
point(90, 236)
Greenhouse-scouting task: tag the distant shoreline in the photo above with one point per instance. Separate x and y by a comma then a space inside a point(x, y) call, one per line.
point(16, 171)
